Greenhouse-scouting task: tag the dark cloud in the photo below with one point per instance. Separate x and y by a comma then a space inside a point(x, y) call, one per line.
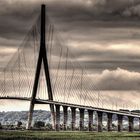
point(112, 65)
point(16, 18)
point(102, 34)
point(68, 15)
point(95, 25)
point(93, 9)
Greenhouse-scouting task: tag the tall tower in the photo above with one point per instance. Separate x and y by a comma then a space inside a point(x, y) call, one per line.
point(42, 59)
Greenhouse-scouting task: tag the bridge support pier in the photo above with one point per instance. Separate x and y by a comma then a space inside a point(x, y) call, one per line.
point(109, 121)
point(57, 127)
point(90, 123)
point(139, 124)
point(131, 124)
point(99, 126)
point(120, 118)
point(42, 59)
point(81, 119)
point(65, 113)
point(73, 115)
point(30, 116)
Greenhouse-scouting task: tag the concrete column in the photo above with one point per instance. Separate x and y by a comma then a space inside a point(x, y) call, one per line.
point(81, 119)
point(30, 116)
point(139, 124)
point(73, 116)
point(90, 123)
point(109, 121)
point(120, 118)
point(99, 126)
point(131, 124)
point(65, 114)
point(57, 127)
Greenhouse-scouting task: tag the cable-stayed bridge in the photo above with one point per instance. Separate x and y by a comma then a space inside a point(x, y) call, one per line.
point(45, 71)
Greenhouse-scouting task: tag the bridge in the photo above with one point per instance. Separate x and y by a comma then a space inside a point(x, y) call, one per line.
point(51, 75)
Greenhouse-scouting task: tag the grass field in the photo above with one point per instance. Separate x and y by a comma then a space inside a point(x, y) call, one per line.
point(39, 135)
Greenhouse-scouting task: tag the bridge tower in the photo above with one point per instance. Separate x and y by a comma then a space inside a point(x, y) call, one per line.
point(42, 59)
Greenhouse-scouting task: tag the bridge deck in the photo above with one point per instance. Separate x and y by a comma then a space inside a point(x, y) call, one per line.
point(41, 101)
point(132, 114)
point(15, 98)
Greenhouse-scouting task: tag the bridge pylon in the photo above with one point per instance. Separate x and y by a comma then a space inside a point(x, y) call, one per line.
point(42, 58)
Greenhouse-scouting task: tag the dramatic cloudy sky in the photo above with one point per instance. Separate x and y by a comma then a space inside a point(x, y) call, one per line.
point(103, 34)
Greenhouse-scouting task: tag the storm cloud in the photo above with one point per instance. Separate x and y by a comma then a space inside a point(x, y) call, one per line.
point(103, 35)
point(98, 32)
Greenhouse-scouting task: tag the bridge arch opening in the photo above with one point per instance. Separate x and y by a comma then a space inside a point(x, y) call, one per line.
point(42, 116)
point(104, 121)
point(136, 124)
point(114, 122)
point(125, 123)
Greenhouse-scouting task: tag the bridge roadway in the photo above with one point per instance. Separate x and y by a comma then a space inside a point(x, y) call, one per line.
point(15, 98)
point(131, 114)
point(41, 101)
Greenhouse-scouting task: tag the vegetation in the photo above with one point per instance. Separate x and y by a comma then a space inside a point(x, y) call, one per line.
point(43, 135)
point(19, 124)
point(39, 124)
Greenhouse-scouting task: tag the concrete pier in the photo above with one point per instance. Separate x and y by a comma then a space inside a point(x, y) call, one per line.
point(65, 114)
point(139, 124)
point(130, 124)
point(120, 119)
point(99, 126)
point(90, 123)
point(109, 122)
point(73, 115)
point(81, 119)
point(57, 127)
